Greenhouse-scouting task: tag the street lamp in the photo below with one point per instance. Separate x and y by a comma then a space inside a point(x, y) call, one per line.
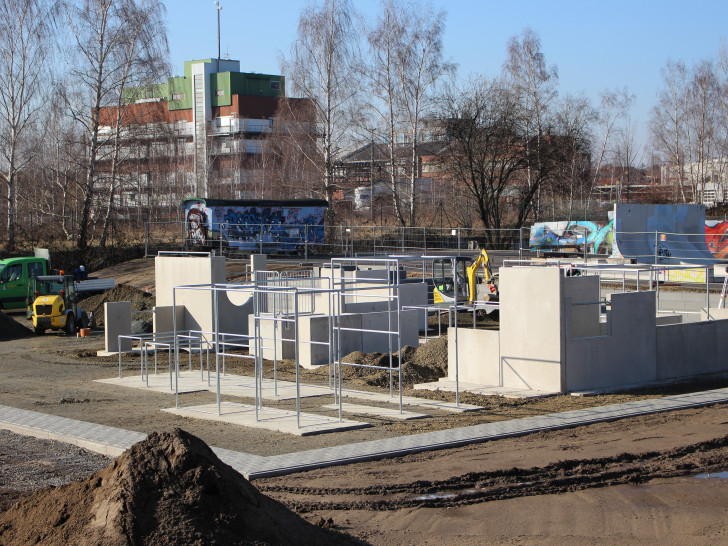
point(219, 9)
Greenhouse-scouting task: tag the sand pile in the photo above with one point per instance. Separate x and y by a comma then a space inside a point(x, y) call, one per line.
point(169, 489)
point(12, 329)
point(142, 303)
point(426, 363)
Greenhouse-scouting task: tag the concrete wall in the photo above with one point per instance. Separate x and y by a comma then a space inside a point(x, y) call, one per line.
point(117, 322)
point(549, 342)
point(374, 342)
point(626, 356)
point(478, 356)
point(530, 328)
point(685, 350)
point(163, 321)
point(171, 271)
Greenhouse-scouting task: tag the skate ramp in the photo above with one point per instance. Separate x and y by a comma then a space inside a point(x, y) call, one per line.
point(664, 234)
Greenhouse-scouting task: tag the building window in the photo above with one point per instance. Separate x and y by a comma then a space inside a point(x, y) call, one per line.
point(178, 96)
point(275, 85)
point(220, 92)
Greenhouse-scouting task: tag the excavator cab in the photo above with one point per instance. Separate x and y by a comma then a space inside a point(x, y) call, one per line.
point(461, 271)
point(446, 273)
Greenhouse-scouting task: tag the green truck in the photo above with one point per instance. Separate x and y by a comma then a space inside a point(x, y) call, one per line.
point(15, 275)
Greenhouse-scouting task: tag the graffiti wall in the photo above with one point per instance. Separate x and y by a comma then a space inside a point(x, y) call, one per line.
point(717, 238)
point(572, 235)
point(245, 227)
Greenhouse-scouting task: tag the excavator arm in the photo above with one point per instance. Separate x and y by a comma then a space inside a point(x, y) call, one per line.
point(472, 271)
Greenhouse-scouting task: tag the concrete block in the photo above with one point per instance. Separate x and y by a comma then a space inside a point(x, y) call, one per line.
point(715, 313)
point(315, 328)
point(664, 320)
point(374, 342)
point(117, 323)
point(276, 337)
point(172, 271)
point(258, 262)
point(478, 356)
point(162, 318)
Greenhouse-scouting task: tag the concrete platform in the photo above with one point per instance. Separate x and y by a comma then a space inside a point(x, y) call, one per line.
point(110, 440)
point(186, 383)
point(386, 413)
point(268, 419)
point(483, 390)
point(244, 386)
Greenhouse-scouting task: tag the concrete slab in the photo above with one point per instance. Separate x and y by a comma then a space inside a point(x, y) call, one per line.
point(386, 413)
point(186, 383)
point(244, 386)
point(269, 419)
point(484, 390)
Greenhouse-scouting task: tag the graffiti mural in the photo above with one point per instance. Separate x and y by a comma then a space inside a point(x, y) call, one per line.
point(277, 226)
point(572, 235)
point(716, 237)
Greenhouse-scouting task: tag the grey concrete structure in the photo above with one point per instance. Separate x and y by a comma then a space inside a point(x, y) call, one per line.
point(553, 339)
point(117, 322)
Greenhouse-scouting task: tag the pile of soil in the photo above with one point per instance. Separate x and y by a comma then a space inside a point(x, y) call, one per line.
point(424, 364)
point(142, 303)
point(12, 329)
point(168, 489)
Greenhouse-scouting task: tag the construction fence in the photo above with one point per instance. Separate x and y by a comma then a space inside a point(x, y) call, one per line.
point(308, 241)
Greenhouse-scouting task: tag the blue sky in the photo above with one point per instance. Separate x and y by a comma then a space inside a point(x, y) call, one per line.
point(595, 45)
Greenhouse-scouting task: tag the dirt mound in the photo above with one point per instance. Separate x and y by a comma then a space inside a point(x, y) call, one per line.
point(421, 365)
point(12, 329)
point(169, 489)
point(140, 301)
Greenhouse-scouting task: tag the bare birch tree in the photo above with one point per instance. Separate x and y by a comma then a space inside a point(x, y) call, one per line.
point(142, 60)
point(100, 31)
point(26, 32)
point(420, 65)
point(383, 84)
point(613, 108)
point(321, 69)
point(535, 83)
point(667, 121)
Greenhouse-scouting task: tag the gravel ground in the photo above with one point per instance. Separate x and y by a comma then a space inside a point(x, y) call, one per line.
point(28, 463)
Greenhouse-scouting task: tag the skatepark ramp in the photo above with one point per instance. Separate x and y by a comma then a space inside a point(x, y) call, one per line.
point(661, 234)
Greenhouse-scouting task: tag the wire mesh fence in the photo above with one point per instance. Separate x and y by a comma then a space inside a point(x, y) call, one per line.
point(655, 247)
point(309, 241)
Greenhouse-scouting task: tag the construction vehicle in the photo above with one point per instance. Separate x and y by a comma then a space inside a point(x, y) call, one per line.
point(472, 289)
point(53, 304)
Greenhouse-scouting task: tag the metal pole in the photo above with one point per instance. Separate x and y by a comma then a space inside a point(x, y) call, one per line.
point(520, 243)
point(176, 347)
point(305, 242)
point(217, 343)
point(707, 293)
point(146, 239)
point(295, 345)
point(457, 366)
point(458, 245)
point(656, 242)
point(260, 237)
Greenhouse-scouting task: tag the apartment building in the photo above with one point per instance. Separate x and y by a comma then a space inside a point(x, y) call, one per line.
point(196, 135)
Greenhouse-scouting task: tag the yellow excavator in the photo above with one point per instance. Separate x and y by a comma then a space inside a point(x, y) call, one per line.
point(481, 292)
